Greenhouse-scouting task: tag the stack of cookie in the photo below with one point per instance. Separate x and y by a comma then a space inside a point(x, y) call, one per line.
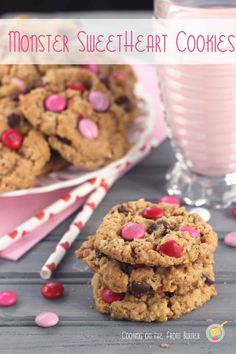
point(55, 116)
point(152, 262)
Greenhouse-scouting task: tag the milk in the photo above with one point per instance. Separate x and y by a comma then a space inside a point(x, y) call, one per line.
point(200, 100)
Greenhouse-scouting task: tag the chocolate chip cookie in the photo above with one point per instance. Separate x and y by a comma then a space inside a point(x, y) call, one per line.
point(148, 307)
point(139, 279)
point(154, 234)
point(23, 151)
point(83, 128)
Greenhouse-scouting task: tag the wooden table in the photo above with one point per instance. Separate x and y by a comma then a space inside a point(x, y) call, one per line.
point(82, 329)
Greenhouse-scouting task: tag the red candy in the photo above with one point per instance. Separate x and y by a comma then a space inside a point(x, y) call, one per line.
point(76, 87)
point(52, 290)
point(169, 199)
point(109, 296)
point(12, 139)
point(234, 211)
point(171, 248)
point(153, 213)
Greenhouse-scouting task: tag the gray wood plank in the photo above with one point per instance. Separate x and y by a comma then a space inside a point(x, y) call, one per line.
point(67, 340)
point(77, 305)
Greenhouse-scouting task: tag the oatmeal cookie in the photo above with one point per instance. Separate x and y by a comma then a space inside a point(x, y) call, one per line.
point(138, 279)
point(85, 132)
point(55, 164)
point(149, 307)
point(152, 234)
point(23, 151)
point(120, 80)
point(119, 85)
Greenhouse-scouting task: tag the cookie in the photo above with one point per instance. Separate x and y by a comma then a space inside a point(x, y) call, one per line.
point(85, 132)
point(120, 80)
point(117, 83)
point(152, 234)
point(55, 164)
point(16, 79)
point(138, 279)
point(23, 151)
point(149, 307)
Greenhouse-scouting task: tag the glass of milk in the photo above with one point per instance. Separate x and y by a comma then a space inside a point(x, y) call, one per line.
point(200, 109)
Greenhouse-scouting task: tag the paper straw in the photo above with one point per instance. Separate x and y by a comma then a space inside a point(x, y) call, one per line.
point(88, 209)
point(46, 214)
point(75, 228)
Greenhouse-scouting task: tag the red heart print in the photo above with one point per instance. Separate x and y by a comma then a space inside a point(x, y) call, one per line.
point(13, 234)
point(142, 148)
point(40, 215)
point(65, 245)
point(51, 215)
point(79, 225)
point(78, 198)
point(92, 205)
point(52, 267)
point(105, 185)
point(66, 197)
point(92, 180)
point(24, 233)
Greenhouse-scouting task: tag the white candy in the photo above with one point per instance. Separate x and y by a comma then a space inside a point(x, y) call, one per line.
point(204, 213)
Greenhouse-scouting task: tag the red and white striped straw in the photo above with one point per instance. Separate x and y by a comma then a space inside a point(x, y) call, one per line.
point(84, 215)
point(75, 228)
point(46, 214)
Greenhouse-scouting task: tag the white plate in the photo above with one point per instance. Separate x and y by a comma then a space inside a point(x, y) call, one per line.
point(72, 176)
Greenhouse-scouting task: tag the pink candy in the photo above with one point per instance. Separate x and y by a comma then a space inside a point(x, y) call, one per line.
point(99, 101)
point(7, 298)
point(94, 68)
point(46, 319)
point(132, 231)
point(230, 239)
point(118, 75)
point(19, 84)
point(192, 232)
point(55, 103)
point(88, 128)
point(169, 199)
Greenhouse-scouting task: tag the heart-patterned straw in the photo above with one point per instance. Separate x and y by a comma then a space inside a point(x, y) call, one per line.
point(75, 228)
point(90, 205)
point(46, 214)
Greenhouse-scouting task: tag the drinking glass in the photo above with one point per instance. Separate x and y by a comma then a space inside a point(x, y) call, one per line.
point(200, 110)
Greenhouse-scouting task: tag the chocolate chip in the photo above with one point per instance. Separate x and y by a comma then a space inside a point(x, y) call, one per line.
point(14, 120)
point(38, 83)
point(168, 294)
point(208, 281)
point(125, 103)
point(105, 81)
point(63, 140)
point(126, 268)
point(15, 98)
point(98, 253)
point(163, 224)
point(122, 209)
point(139, 288)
